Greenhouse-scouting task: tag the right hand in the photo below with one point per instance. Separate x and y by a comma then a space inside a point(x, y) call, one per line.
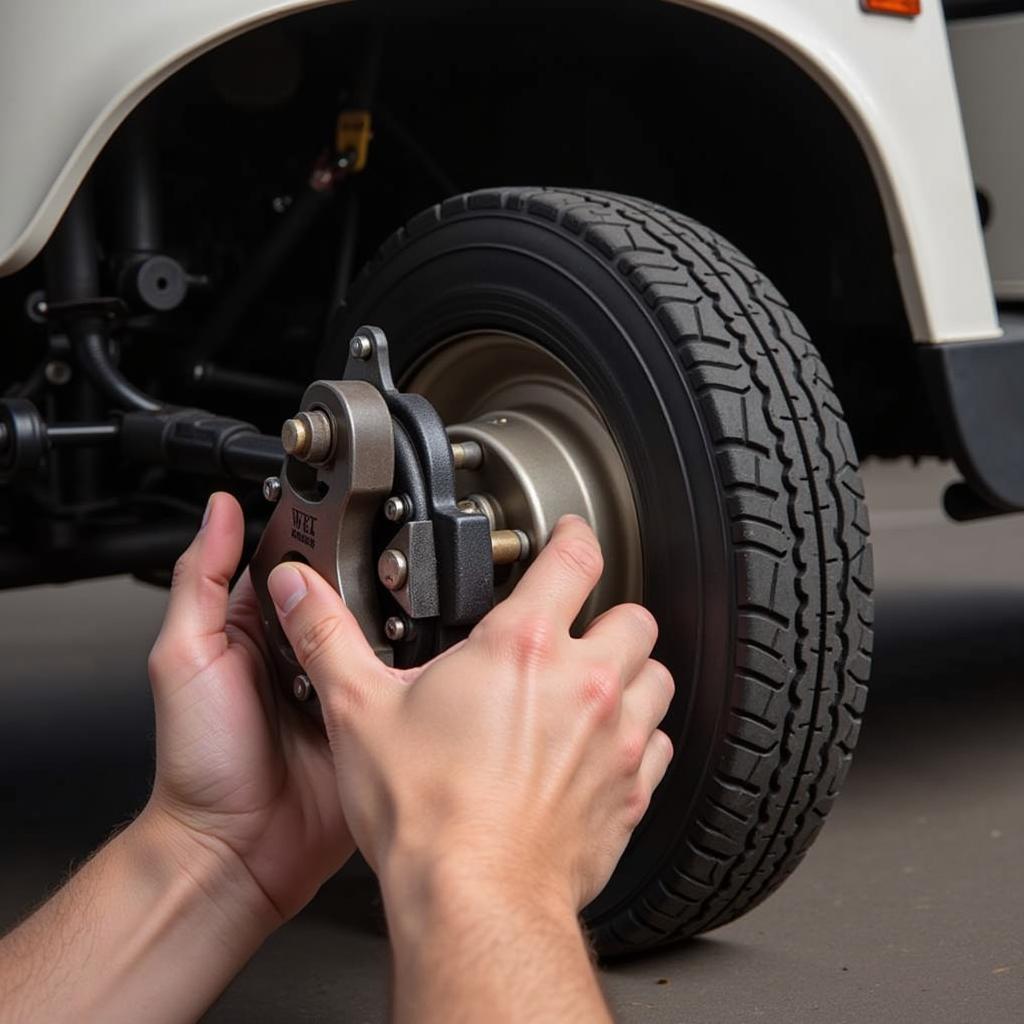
point(524, 754)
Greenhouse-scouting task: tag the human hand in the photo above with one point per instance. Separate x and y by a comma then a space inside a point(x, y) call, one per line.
point(238, 769)
point(521, 756)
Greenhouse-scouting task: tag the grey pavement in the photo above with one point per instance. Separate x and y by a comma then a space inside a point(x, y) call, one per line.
point(908, 908)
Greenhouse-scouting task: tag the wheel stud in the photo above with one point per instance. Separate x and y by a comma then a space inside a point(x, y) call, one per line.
point(467, 455)
point(508, 546)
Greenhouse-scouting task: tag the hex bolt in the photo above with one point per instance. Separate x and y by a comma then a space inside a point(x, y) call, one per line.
point(396, 508)
point(272, 488)
point(361, 347)
point(395, 628)
point(508, 546)
point(393, 569)
point(309, 436)
point(467, 455)
point(302, 687)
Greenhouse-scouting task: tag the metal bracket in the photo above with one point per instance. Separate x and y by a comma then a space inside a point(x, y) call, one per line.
point(325, 514)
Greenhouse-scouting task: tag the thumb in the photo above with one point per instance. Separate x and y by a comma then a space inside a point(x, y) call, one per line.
point(326, 639)
point(192, 634)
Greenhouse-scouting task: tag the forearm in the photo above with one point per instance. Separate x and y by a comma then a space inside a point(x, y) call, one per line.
point(467, 949)
point(152, 928)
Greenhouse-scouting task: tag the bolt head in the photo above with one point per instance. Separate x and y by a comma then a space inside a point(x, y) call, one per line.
point(393, 569)
point(395, 628)
point(302, 687)
point(57, 372)
point(308, 436)
point(361, 347)
point(295, 437)
point(395, 509)
point(272, 488)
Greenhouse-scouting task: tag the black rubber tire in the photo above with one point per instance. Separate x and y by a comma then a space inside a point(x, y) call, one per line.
point(752, 514)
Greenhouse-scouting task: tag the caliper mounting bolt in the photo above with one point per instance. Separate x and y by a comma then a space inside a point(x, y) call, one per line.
point(395, 628)
point(302, 687)
point(272, 489)
point(308, 436)
point(393, 569)
point(396, 508)
point(361, 347)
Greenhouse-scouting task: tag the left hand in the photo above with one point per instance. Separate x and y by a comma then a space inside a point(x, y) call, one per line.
point(237, 768)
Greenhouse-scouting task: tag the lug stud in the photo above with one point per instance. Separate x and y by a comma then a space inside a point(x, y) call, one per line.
point(393, 569)
point(467, 455)
point(508, 546)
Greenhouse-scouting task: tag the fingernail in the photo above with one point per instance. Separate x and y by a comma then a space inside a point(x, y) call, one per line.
point(206, 514)
point(287, 587)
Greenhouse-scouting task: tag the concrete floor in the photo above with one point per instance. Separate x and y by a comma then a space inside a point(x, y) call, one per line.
point(908, 908)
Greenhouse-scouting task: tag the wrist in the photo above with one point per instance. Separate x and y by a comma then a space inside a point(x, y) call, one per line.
point(460, 886)
point(205, 872)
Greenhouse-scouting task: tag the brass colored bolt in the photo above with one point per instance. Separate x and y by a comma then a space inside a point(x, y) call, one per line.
point(508, 546)
point(393, 569)
point(467, 455)
point(308, 436)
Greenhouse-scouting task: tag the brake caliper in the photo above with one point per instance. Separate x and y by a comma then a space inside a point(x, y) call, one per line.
point(366, 497)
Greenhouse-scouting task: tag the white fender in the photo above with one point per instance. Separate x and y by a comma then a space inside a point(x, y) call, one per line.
point(70, 71)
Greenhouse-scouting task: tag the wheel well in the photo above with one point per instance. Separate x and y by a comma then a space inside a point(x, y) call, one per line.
point(646, 98)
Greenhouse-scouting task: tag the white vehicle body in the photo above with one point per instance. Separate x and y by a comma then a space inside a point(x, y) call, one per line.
point(987, 55)
point(71, 72)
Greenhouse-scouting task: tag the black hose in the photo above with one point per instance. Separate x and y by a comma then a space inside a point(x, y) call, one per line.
point(73, 278)
point(90, 345)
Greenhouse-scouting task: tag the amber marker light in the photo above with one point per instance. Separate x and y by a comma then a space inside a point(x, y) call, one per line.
point(904, 8)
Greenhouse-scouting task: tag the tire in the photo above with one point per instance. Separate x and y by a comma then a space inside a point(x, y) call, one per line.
point(756, 556)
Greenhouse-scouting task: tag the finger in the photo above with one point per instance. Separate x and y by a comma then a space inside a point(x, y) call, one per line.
point(657, 758)
point(326, 639)
point(647, 698)
point(192, 632)
point(624, 636)
point(560, 580)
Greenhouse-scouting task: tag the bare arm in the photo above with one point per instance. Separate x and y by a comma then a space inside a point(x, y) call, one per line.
point(243, 825)
point(151, 929)
point(470, 949)
point(494, 789)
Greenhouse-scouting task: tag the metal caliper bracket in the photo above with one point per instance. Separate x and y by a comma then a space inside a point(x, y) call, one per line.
point(331, 488)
